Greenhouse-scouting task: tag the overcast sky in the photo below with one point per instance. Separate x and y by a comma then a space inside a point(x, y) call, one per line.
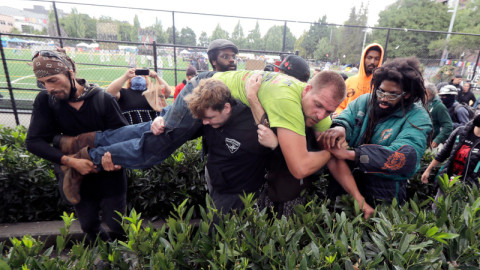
point(337, 12)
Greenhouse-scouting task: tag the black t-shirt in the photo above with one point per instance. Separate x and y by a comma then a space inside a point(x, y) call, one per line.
point(135, 106)
point(236, 160)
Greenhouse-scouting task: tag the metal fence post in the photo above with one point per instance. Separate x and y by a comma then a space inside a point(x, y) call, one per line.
point(476, 66)
point(154, 45)
point(9, 84)
point(386, 46)
point(58, 23)
point(174, 47)
point(284, 36)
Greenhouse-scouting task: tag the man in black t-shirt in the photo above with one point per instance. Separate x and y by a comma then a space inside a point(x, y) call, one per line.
point(71, 106)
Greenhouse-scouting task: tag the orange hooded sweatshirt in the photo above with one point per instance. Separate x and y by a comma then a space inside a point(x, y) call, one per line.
point(359, 84)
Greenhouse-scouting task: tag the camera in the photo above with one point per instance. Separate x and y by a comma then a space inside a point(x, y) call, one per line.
point(142, 72)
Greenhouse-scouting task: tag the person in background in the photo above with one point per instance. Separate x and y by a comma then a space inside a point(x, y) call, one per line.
point(141, 99)
point(462, 153)
point(458, 113)
point(359, 84)
point(296, 67)
point(466, 96)
point(190, 73)
point(456, 81)
point(442, 123)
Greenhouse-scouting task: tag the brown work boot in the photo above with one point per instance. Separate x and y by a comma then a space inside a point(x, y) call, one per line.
point(73, 179)
point(71, 145)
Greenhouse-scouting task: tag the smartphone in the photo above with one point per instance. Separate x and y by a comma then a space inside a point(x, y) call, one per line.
point(142, 72)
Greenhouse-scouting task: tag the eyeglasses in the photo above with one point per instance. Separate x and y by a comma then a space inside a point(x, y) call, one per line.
point(389, 96)
point(228, 56)
point(48, 53)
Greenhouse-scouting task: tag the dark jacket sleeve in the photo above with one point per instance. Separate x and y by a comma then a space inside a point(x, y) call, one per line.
point(372, 158)
point(440, 113)
point(42, 129)
point(448, 146)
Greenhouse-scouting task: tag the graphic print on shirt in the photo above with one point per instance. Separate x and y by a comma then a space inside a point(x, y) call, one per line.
point(460, 159)
point(232, 145)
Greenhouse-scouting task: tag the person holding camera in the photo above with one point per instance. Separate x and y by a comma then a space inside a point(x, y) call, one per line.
point(141, 100)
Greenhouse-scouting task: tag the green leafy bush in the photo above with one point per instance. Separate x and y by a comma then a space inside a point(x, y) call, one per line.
point(397, 237)
point(30, 190)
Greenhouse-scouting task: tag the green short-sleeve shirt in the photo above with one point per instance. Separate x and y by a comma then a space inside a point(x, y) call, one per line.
point(280, 96)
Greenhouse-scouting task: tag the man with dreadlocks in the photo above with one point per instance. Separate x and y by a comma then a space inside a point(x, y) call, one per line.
point(71, 106)
point(387, 132)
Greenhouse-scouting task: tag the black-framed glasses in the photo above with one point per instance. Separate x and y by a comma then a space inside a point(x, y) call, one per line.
point(48, 53)
point(389, 96)
point(228, 56)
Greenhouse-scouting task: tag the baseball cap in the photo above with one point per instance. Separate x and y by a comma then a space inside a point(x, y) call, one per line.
point(220, 44)
point(448, 90)
point(295, 66)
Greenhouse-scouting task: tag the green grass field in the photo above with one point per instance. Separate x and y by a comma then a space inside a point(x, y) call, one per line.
point(21, 74)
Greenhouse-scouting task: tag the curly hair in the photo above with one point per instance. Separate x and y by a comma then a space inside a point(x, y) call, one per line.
point(210, 93)
point(406, 73)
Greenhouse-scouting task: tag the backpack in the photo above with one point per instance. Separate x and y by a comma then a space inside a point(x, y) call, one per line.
point(470, 110)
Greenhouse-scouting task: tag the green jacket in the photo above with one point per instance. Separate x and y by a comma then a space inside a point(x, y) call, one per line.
point(442, 123)
point(393, 155)
point(394, 134)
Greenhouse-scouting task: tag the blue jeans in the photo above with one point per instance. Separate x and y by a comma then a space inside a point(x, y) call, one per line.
point(136, 147)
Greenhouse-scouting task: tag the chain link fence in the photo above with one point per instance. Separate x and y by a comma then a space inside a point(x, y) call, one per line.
point(105, 47)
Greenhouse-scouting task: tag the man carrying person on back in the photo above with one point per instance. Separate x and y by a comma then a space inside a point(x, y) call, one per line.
point(290, 105)
point(359, 84)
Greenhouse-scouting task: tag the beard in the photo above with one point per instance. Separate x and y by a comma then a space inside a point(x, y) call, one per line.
point(228, 67)
point(381, 113)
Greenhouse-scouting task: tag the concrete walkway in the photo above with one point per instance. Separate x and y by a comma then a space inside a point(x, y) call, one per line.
point(47, 231)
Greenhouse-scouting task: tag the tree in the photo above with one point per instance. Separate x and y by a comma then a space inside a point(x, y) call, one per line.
point(350, 39)
point(324, 50)
point(466, 21)
point(187, 37)
point(298, 45)
point(237, 36)
point(136, 27)
point(413, 14)
point(203, 40)
point(254, 39)
point(159, 34)
point(316, 32)
point(74, 24)
point(218, 33)
point(169, 33)
point(273, 39)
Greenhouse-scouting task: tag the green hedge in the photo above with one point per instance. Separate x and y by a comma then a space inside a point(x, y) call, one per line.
point(412, 236)
point(30, 191)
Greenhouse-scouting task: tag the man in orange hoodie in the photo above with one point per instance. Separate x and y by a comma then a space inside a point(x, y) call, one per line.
point(359, 84)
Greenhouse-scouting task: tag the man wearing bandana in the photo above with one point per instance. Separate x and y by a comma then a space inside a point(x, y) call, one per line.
point(69, 106)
